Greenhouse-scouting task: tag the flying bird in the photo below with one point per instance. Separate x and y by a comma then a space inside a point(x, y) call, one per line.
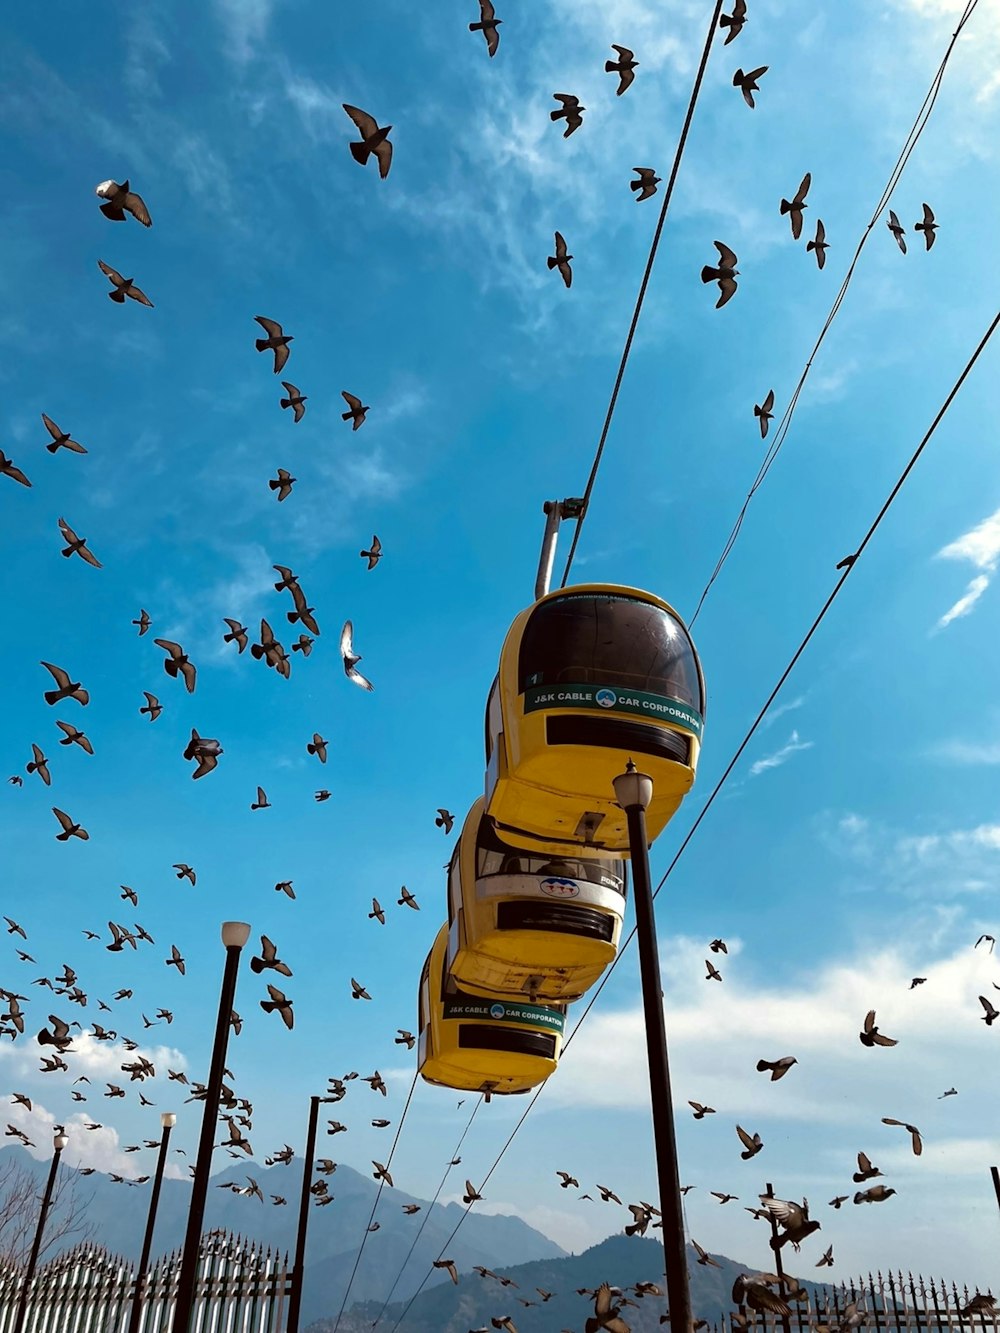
point(566, 1180)
point(703, 1256)
point(571, 112)
point(755, 1293)
point(282, 1004)
point(471, 1194)
point(381, 1173)
point(283, 484)
point(725, 274)
point(928, 226)
point(205, 750)
point(873, 1194)
point(74, 737)
point(323, 795)
point(317, 746)
point(865, 1169)
point(990, 1013)
point(123, 286)
point(606, 1315)
point(377, 913)
point(561, 260)
point(764, 412)
point(734, 21)
point(351, 658)
point(624, 67)
point(143, 622)
point(917, 981)
point(175, 959)
point(39, 764)
point(819, 244)
point(645, 186)
point(9, 469)
point(988, 939)
point(119, 200)
point(77, 545)
point(60, 438)
point(778, 1068)
point(277, 341)
point(406, 899)
point(373, 140)
point(261, 803)
point(405, 1038)
point(185, 872)
point(870, 1035)
point(487, 25)
point(302, 613)
point(374, 554)
point(751, 1145)
point(69, 828)
point(447, 1264)
point(747, 83)
point(897, 229)
point(237, 634)
point(794, 207)
point(177, 663)
point(67, 689)
point(269, 959)
point(445, 819)
point(951, 1092)
point(915, 1139)
point(295, 400)
point(358, 991)
point(718, 946)
point(700, 1112)
point(793, 1217)
point(357, 411)
point(713, 973)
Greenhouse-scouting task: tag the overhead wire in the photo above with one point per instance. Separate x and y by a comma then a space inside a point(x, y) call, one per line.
point(678, 155)
point(713, 795)
point(378, 1195)
point(784, 425)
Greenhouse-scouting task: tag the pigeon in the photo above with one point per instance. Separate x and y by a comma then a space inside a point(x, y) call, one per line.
point(9, 469)
point(917, 981)
point(819, 244)
point(606, 1315)
point(335, 1126)
point(283, 484)
point(175, 959)
point(793, 1217)
point(269, 959)
point(302, 612)
point(725, 275)
point(641, 1218)
point(69, 828)
point(487, 25)
point(237, 634)
point(143, 622)
point(74, 737)
point(303, 645)
point(351, 658)
point(410, 1208)
point(358, 991)
point(873, 1194)
point(282, 1004)
point(373, 140)
point(870, 1035)
point(734, 21)
point(356, 410)
point(77, 545)
point(123, 286)
point(700, 1112)
point(928, 226)
point(59, 1037)
point(718, 946)
point(295, 400)
point(271, 651)
point(571, 112)
point(374, 554)
point(317, 746)
point(205, 750)
point(445, 819)
point(288, 579)
point(177, 663)
point(747, 83)
point(377, 913)
point(381, 1173)
point(607, 1195)
point(764, 412)
point(405, 1038)
point(865, 1169)
point(981, 1303)
point(703, 1256)
point(376, 1083)
point(276, 340)
point(261, 803)
point(794, 207)
point(447, 1264)
point(897, 229)
point(988, 939)
point(119, 200)
point(39, 764)
point(185, 872)
point(68, 689)
point(322, 795)
point(915, 1139)
point(723, 1197)
point(990, 1013)
point(751, 1145)
point(60, 439)
point(755, 1293)
point(645, 186)
point(951, 1092)
point(840, 1198)
point(566, 1180)
point(625, 67)
point(713, 973)
point(406, 899)
point(471, 1195)
point(778, 1068)
point(561, 259)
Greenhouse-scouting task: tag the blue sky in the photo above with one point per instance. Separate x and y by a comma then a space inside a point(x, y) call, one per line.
point(857, 843)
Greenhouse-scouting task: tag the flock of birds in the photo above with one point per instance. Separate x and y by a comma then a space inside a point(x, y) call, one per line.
point(757, 1293)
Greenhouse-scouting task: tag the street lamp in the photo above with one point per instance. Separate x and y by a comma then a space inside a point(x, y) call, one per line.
point(167, 1122)
point(234, 935)
point(634, 791)
point(58, 1143)
point(298, 1270)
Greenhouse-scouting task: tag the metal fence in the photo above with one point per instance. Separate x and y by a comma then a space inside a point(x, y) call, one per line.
point(241, 1287)
point(893, 1303)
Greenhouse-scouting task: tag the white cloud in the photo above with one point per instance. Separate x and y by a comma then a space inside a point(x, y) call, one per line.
point(245, 23)
point(981, 546)
point(969, 752)
point(773, 714)
point(779, 757)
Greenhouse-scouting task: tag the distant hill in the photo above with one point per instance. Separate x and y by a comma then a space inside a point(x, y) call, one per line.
point(117, 1215)
point(620, 1260)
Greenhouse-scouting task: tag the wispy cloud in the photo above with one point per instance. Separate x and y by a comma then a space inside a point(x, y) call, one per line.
point(981, 547)
point(779, 757)
point(968, 752)
point(245, 24)
point(773, 715)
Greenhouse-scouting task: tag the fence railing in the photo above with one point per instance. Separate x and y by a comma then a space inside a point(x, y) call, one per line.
point(240, 1287)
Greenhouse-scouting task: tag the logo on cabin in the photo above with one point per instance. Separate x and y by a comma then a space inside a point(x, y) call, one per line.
point(560, 888)
point(606, 698)
point(497, 1011)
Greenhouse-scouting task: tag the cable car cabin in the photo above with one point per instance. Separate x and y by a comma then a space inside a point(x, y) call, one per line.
point(479, 1045)
point(589, 677)
point(529, 924)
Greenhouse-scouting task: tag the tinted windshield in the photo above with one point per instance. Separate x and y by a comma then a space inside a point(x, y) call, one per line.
point(609, 639)
point(494, 858)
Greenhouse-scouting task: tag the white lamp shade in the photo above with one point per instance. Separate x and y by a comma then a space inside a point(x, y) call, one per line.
point(60, 1142)
point(235, 934)
point(168, 1119)
point(633, 788)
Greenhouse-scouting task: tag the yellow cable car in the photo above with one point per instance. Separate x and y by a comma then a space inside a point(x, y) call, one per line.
point(589, 677)
point(527, 923)
point(480, 1045)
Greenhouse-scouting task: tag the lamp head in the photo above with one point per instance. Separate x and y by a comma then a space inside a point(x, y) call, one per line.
point(60, 1141)
point(633, 788)
point(235, 934)
point(168, 1119)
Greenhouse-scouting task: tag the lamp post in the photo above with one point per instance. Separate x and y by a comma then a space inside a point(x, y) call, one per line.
point(298, 1270)
point(234, 935)
point(167, 1122)
point(59, 1142)
point(634, 791)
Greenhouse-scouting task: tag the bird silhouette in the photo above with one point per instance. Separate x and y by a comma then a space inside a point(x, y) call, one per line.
point(724, 274)
point(645, 186)
point(916, 1141)
point(283, 483)
point(374, 554)
point(778, 1068)
point(69, 828)
point(351, 659)
point(794, 206)
point(177, 663)
point(357, 411)
point(67, 689)
point(373, 140)
point(60, 438)
point(77, 545)
point(277, 341)
point(487, 25)
point(625, 67)
point(764, 412)
point(897, 229)
point(280, 1003)
point(819, 244)
point(870, 1035)
point(734, 21)
point(9, 469)
point(295, 400)
point(123, 286)
point(928, 226)
point(571, 111)
point(119, 200)
point(269, 959)
point(561, 260)
point(747, 83)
